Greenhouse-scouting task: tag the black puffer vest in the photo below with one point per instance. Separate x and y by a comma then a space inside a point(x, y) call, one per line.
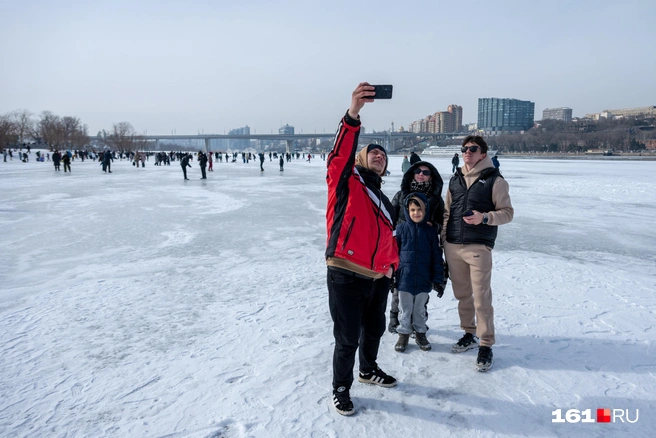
point(478, 197)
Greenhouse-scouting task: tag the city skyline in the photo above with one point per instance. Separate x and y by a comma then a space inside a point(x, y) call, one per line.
point(212, 67)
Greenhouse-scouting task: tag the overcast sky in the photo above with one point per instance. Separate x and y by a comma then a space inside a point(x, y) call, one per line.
point(210, 66)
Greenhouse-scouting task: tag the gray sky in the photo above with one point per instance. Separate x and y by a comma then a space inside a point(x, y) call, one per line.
point(210, 66)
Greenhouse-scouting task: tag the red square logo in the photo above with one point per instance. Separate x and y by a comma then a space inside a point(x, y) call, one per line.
point(603, 415)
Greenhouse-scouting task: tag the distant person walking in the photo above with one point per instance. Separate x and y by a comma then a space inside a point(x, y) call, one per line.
point(56, 160)
point(210, 161)
point(495, 161)
point(405, 165)
point(66, 158)
point(107, 161)
point(282, 163)
point(261, 155)
point(455, 161)
point(202, 162)
point(184, 163)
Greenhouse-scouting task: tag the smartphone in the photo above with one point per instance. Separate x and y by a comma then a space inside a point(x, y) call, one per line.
point(468, 213)
point(382, 92)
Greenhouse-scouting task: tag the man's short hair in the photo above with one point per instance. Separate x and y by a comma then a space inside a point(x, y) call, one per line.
point(477, 139)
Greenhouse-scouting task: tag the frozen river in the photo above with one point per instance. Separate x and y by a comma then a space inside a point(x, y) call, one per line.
point(135, 304)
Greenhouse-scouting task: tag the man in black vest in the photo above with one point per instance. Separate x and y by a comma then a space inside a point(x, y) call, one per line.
point(477, 202)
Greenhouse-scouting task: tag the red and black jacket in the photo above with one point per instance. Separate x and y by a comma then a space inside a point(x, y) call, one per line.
point(359, 217)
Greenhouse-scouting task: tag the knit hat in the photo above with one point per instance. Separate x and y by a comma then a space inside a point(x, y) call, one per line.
point(376, 146)
point(361, 157)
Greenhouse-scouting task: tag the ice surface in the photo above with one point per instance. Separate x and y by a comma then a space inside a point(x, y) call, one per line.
point(135, 304)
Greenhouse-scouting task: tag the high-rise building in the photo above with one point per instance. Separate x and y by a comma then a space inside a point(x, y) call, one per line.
point(443, 122)
point(240, 144)
point(504, 115)
point(456, 119)
point(564, 114)
point(286, 130)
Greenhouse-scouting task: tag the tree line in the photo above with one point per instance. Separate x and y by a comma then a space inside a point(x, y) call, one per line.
point(63, 132)
point(628, 134)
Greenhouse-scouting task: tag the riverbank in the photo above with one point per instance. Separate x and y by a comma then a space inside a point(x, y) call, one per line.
point(556, 156)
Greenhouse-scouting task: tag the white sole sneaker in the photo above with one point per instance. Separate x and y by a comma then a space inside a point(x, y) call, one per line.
point(482, 367)
point(455, 348)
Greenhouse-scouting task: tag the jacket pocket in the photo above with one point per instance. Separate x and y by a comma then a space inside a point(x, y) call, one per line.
point(348, 234)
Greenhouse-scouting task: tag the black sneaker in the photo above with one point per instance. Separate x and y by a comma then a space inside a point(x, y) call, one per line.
point(423, 343)
point(484, 361)
point(465, 343)
point(377, 377)
point(342, 401)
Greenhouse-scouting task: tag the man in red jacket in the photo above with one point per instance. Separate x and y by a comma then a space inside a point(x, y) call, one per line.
point(361, 254)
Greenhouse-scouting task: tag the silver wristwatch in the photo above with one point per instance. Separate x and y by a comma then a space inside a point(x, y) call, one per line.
point(484, 219)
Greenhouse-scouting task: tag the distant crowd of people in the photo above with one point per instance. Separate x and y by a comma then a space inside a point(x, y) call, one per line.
point(139, 158)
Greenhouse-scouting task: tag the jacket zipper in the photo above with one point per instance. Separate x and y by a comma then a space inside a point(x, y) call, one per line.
point(348, 234)
point(416, 237)
point(373, 256)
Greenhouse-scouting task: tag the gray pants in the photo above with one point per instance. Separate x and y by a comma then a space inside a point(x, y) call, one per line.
point(412, 313)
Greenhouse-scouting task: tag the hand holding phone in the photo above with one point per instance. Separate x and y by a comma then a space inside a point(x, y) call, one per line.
point(468, 213)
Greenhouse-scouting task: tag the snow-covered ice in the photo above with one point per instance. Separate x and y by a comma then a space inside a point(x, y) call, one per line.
point(137, 305)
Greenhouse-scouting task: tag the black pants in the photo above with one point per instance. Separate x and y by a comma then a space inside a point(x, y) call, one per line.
point(202, 170)
point(357, 307)
point(184, 170)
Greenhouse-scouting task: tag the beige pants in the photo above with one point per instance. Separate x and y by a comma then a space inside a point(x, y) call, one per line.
point(470, 271)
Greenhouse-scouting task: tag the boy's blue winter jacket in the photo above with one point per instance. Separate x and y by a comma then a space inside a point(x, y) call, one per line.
point(421, 262)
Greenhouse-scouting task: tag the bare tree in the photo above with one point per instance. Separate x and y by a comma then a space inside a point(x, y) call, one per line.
point(58, 132)
point(24, 124)
point(48, 129)
point(8, 132)
point(74, 132)
point(123, 137)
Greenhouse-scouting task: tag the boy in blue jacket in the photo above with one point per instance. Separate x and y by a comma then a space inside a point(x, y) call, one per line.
point(421, 269)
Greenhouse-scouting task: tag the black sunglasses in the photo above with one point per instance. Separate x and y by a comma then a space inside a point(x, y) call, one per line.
point(424, 172)
point(472, 149)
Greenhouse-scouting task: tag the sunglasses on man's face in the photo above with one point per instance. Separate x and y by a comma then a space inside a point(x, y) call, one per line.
point(472, 149)
point(423, 172)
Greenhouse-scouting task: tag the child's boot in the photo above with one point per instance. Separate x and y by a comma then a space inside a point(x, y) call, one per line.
point(402, 343)
point(421, 340)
